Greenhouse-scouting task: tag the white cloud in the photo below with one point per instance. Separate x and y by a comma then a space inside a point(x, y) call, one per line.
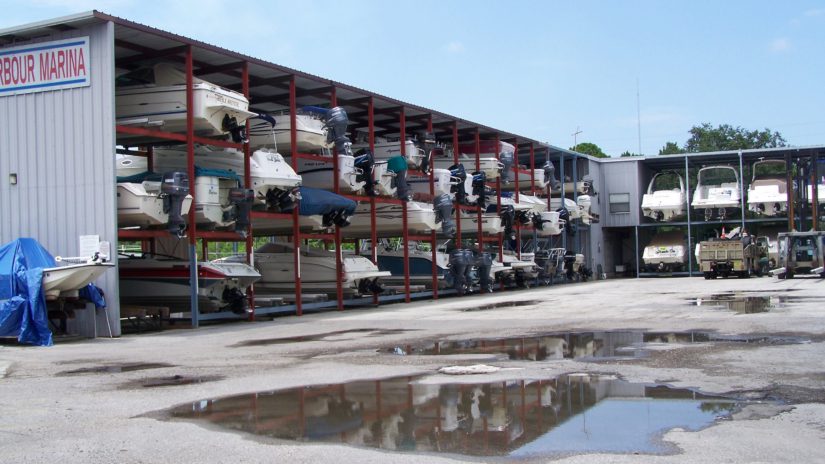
point(780, 45)
point(453, 47)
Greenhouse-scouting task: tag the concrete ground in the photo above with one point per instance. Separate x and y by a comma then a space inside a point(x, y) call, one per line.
point(109, 417)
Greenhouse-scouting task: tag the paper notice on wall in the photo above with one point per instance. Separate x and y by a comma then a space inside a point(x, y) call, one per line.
point(89, 245)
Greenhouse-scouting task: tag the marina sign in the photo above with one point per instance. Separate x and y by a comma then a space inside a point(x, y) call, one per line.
point(45, 66)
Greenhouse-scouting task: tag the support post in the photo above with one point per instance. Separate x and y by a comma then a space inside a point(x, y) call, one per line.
point(296, 227)
point(815, 190)
point(339, 259)
point(790, 190)
point(402, 124)
point(373, 231)
point(637, 251)
point(247, 181)
point(190, 164)
point(687, 209)
point(742, 190)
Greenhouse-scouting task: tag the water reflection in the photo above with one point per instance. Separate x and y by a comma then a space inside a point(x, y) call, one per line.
point(518, 417)
point(741, 304)
point(570, 345)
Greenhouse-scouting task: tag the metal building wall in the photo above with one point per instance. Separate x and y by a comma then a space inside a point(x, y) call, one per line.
point(621, 176)
point(595, 235)
point(61, 144)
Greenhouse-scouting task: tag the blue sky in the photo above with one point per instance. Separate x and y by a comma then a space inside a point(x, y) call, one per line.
point(540, 69)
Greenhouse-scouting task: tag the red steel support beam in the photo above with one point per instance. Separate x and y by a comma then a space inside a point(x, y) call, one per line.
point(458, 206)
point(406, 233)
point(478, 168)
point(247, 181)
point(373, 231)
point(190, 164)
point(339, 260)
point(532, 169)
point(296, 228)
point(432, 234)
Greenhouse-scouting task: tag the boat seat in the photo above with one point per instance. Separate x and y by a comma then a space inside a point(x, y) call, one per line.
point(781, 185)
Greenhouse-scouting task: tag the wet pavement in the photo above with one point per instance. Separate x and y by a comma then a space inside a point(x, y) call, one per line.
point(171, 381)
point(326, 336)
point(517, 418)
point(114, 368)
point(741, 303)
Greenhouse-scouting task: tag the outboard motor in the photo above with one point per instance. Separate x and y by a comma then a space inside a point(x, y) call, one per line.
point(366, 286)
point(365, 163)
point(479, 178)
point(550, 175)
point(398, 165)
point(443, 207)
point(173, 190)
point(428, 140)
point(339, 217)
point(564, 215)
point(336, 122)
point(538, 222)
point(484, 261)
point(507, 158)
point(457, 171)
point(459, 264)
point(508, 216)
point(236, 131)
point(242, 199)
point(284, 200)
point(235, 299)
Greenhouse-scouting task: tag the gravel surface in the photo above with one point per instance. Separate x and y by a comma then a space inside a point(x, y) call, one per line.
point(50, 415)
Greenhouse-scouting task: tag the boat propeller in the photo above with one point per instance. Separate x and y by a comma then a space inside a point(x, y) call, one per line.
point(338, 217)
point(242, 200)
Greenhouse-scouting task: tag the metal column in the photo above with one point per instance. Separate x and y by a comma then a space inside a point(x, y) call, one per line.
point(815, 190)
point(402, 129)
point(190, 164)
point(637, 251)
point(687, 208)
point(742, 190)
point(790, 190)
point(296, 228)
point(247, 180)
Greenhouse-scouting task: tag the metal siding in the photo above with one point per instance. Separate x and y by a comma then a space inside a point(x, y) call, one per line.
point(61, 145)
point(621, 177)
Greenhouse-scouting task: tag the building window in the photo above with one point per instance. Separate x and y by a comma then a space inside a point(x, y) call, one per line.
point(619, 203)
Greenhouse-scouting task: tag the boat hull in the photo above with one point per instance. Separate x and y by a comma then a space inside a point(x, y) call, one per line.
point(138, 205)
point(65, 281)
point(389, 222)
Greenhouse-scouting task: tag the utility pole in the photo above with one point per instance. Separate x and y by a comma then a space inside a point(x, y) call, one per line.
point(575, 134)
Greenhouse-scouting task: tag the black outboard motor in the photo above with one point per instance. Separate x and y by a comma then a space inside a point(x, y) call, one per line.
point(398, 166)
point(339, 217)
point(564, 215)
point(479, 178)
point(336, 122)
point(173, 189)
point(569, 260)
point(484, 261)
point(550, 175)
point(365, 163)
point(457, 171)
point(538, 222)
point(443, 207)
point(236, 131)
point(427, 139)
point(284, 200)
point(508, 216)
point(235, 299)
point(242, 199)
point(459, 264)
point(507, 159)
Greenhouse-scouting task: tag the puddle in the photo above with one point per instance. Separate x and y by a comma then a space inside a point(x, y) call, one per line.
point(327, 336)
point(170, 381)
point(582, 346)
point(574, 413)
point(115, 368)
point(504, 304)
point(742, 304)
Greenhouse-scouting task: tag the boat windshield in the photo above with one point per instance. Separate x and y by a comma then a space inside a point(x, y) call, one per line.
point(138, 77)
point(667, 181)
point(769, 170)
point(717, 176)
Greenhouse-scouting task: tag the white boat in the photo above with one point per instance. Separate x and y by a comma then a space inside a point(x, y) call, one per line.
point(489, 156)
point(490, 223)
point(311, 132)
point(141, 204)
point(583, 186)
point(666, 252)
point(272, 178)
point(768, 191)
point(442, 183)
point(156, 97)
point(489, 165)
point(164, 281)
point(386, 148)
point(524, 181)
point(717, 187)
point(570, 205)
point(66, 281)
point(275, 261)
point(421, 219)
point(584, 203)
point(665, 197)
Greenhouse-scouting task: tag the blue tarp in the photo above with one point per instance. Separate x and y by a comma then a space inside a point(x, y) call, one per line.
point(319, 202)
point(22, 303)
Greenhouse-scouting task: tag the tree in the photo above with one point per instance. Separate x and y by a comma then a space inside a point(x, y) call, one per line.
point(627, 154)
point(705, 138)
point(589, 149)
point(671, 148)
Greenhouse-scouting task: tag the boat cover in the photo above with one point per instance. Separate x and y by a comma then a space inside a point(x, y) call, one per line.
point(22, 302)
point(319, 202)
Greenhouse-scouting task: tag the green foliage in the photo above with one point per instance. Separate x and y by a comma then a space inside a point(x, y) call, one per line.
point(589, 149)
point(627, 154)
point(704, 138)
point(671, 148)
